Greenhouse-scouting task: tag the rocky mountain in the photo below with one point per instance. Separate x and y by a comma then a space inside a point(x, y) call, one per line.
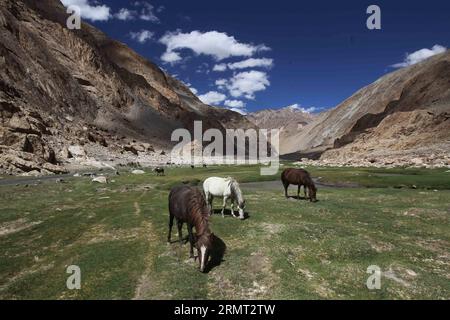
point(77, 97)
point(290, 121)
point(403, 117)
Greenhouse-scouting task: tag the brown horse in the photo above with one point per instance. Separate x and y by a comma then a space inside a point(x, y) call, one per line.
point(187, 205)
point(299, 177)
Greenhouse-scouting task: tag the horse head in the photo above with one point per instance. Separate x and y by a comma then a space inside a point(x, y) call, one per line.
point(204, 246)
point(312, 193)
point(237, 195)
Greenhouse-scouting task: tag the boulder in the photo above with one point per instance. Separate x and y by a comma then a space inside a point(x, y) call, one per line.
point(53, 168)
point(77, 151)
point(138, 172)
point(101, 179)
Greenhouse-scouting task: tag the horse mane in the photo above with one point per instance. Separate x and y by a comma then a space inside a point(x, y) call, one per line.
point(235, 189)
point(199, 213)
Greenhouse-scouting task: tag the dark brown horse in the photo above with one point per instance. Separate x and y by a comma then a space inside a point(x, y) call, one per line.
point(299, 177)
point(159, 171)
point(187, 205)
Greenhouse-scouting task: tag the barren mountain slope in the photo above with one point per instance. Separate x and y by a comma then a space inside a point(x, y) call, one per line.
point(291, 121)
point(64, 89)
point(404, 113)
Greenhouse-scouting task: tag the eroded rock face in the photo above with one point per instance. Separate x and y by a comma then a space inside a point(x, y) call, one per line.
point(61, 88)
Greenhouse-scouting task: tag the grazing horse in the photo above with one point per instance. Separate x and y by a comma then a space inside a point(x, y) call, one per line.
point(227, 188)
point(159, 171)
point(299, 177)
point(187, 205)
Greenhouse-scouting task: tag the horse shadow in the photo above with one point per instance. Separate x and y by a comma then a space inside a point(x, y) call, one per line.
point(217, 253)
point(227, 212)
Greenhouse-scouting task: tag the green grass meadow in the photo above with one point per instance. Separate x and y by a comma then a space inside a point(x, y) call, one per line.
point(397, 219)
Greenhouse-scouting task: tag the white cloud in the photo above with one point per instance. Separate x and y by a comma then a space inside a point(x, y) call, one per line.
point(235, 104)
point(95, 12)
point(298, 107)
point(142, 36)
point(212, 98)
point(419, 56)
point(243, 112)
point(219, 45)
point(193, 90)
point(221, 83)
point(220, 67)
point(251, 63)
point(147, 11)
point(245, 84)
point(171, 57)
point(125, 14)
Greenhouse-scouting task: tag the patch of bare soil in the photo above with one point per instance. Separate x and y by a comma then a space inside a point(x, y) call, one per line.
point(441, 260)
point(101, 233)
point(11, 227)
point(273, 228)
point(19, 276)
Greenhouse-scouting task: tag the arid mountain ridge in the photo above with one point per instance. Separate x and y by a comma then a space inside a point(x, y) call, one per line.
point(401, 119)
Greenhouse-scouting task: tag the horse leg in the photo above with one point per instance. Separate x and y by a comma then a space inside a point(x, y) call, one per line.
point(170, 228)
point(209, 200)
point(180, 232)
point(286, 186)
point(306, 193)
point(191, 241)
point(232, 209)
point(298, 191)
point(224, 206)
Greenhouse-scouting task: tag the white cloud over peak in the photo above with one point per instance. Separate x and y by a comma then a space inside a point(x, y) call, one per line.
point(235, 104)
point(245, 64)
point(243, 112)
point(251, 63)
point(142, 36)
point(245, 84)
point(298, 107)
point(419, 56)
point(171, 57)
point(93, 12)
point(212, 98)
point(219, 45)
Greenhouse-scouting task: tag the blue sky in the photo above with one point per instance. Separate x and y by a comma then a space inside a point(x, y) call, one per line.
point(312, 54)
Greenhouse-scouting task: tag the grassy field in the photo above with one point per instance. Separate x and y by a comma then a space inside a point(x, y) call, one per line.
point(397, 219)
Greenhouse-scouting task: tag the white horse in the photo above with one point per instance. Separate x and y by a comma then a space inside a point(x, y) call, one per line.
point(228, 188)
